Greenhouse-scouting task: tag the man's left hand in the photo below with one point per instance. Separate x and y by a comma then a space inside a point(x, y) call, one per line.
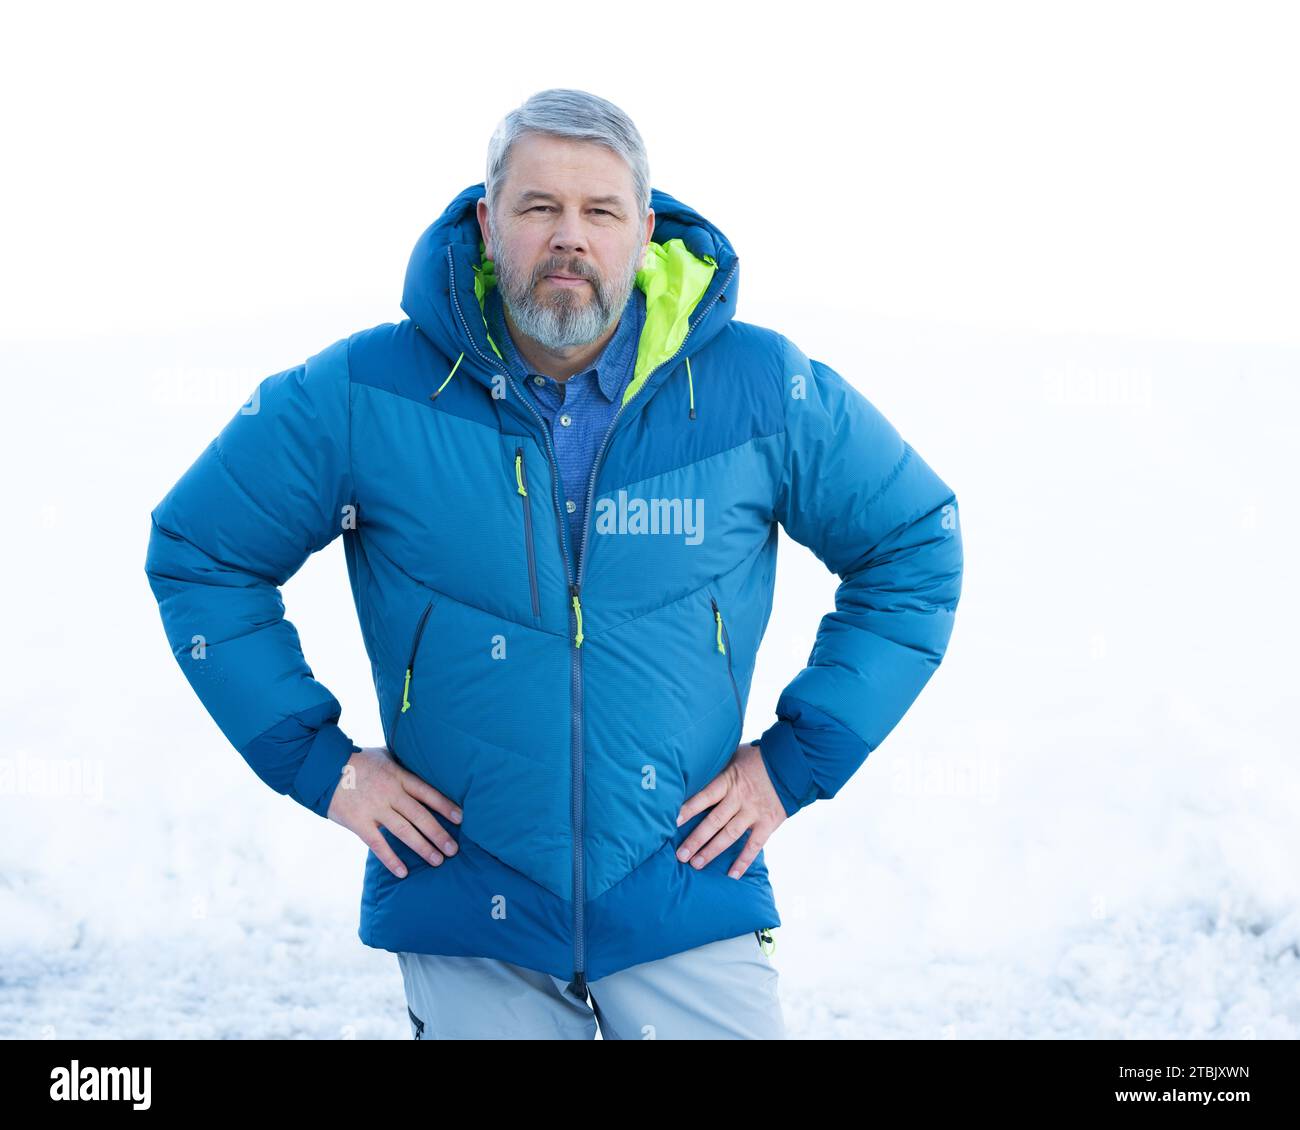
point(742, 797)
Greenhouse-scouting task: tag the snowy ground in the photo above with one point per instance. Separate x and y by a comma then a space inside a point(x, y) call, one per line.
point(1085, 828)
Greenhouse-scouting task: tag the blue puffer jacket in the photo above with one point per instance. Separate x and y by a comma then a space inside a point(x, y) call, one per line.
point(569, 716)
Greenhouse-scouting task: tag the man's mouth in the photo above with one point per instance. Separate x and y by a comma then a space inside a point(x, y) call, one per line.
point(566, 280)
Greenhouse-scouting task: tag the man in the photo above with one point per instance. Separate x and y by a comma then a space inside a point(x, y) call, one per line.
point(559, 482)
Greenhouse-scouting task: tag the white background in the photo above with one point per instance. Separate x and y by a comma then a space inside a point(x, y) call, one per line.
point(1055, 245)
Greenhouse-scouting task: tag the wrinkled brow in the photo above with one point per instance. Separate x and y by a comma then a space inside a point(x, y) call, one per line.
point(537, 194)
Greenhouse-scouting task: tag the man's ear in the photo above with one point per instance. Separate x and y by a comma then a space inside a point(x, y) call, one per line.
point(482, 214)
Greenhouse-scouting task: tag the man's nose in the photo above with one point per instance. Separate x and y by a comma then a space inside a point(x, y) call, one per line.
point(567, 240)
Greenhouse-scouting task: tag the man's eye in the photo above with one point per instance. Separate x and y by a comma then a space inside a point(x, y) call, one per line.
point(547, 208)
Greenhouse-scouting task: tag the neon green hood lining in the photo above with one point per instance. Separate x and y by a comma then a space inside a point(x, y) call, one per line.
point(673, 280)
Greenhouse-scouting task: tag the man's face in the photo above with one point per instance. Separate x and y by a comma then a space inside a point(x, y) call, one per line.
point(565, 240)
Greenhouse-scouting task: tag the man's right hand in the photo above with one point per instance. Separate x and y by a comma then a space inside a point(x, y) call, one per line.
point(375, 791)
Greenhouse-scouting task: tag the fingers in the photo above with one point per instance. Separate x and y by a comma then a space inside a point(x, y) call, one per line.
point(427, 823)
point(707, 828)
point(748, 853)
point(374, 840)
point(410, 835)
point(734, 829)
point(713, 792)
point(419, 788)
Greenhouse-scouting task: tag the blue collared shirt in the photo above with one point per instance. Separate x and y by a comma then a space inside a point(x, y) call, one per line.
point(578, 411)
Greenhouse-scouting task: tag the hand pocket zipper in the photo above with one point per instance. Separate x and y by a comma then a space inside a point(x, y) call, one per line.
point(406, 684)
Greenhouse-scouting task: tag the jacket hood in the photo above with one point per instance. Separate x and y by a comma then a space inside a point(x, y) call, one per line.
point(690, 278)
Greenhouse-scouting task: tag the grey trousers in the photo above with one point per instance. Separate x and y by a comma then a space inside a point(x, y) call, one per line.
point(726, 990)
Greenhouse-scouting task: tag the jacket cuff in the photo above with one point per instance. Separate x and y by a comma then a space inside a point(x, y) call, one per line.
point(321, 770)
point(786, 765)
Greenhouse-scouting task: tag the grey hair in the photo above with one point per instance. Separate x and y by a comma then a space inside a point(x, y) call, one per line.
point(573, 114)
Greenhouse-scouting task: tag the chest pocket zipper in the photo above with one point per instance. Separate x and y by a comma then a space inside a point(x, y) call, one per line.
point(406, 685)
point(521, 488)
point(724, 646)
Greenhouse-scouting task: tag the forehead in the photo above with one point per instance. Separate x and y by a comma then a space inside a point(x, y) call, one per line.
point(558, 168)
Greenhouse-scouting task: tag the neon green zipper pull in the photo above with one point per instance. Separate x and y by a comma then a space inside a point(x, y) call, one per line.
point(519, 475)
point(765, 940)
point(406, 702)
point(577, 610)
point(718, 617)
point(434, 395)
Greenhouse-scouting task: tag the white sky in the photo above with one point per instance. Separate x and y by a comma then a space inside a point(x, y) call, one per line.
point(1107, 168)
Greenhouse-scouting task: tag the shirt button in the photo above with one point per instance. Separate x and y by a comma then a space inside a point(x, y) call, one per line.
point(565, 421)
point(570, 506)
point(539, 380)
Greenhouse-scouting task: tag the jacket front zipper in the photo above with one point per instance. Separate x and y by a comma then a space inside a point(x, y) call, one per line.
point(406, 685)
point(521, 486)
point(724, 645)
point(575, 586)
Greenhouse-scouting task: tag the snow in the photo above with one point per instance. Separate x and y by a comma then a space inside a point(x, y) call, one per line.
point(1084, 828)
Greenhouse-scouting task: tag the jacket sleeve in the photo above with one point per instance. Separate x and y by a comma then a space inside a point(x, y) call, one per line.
point(856, 494)
point(272, 488)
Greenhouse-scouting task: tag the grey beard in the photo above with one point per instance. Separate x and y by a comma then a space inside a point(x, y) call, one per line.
point(565, 320)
